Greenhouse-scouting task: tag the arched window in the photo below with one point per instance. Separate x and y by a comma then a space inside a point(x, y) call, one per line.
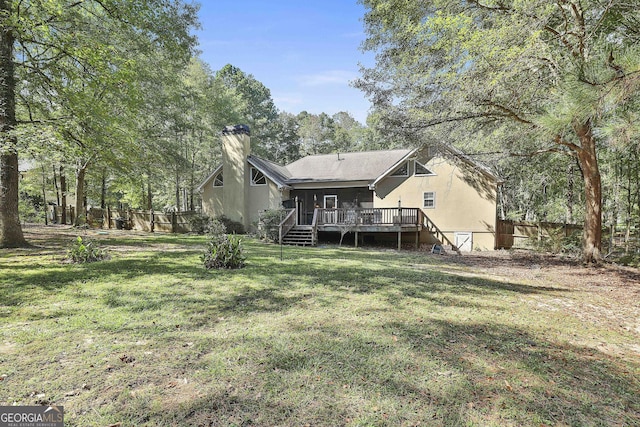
point(217, 181)
point(257, 177)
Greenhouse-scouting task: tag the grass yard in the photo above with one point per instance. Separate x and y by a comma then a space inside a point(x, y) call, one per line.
point(327, 337)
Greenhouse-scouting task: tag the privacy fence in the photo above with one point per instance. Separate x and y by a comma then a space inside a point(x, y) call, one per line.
point(518, 234)
point(127, 219)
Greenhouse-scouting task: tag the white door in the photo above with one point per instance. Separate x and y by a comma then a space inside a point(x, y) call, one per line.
point(464, 241)
point(330, 202)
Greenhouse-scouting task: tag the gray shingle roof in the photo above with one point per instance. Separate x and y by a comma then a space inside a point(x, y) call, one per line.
point(357, 166)
point(366, 166)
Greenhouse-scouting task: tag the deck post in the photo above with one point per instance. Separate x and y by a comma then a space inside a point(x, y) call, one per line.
point(417, 239)
point(399, 240)
point(356, 238)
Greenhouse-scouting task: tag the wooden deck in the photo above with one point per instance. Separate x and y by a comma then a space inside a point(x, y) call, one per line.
point(360, 220)
point(363, 220)
point(369, 220)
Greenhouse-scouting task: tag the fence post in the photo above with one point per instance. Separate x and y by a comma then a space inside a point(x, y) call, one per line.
point(152, 224)
point(174, 222)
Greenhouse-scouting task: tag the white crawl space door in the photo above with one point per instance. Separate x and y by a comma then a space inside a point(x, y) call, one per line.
point(464, 241)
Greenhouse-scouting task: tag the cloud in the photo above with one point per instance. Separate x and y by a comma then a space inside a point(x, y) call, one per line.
point(288, 101)
point(331, 77)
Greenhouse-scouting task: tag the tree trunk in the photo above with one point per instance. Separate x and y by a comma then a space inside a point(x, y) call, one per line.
point(55, 185)
point(44, 196)
point(588, 161)
point(177, 191)
point(63, 196)
point(10, 229)
point(81, 210)
point(569, 213)
point(149, 195)
point(103, 191)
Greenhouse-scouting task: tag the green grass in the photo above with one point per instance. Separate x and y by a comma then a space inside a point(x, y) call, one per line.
point(325, 337)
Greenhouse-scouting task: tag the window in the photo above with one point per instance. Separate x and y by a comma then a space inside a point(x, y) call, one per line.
point(422, 170)
point(217, 181)
point(402, 170)
point(429, 199)
point(257, 177)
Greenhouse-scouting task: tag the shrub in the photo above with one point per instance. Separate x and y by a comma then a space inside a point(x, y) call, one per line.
point(217, 229)
point(224, 251)
point(558, 243)
point(232, 227)
point(200, 223)
point(82, 251)
point(270, 219)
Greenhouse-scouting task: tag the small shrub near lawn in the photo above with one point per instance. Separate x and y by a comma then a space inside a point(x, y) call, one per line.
point(270, 219)
point(223, 250)
point(82, 251)
point(200, 223)
point(232, 227)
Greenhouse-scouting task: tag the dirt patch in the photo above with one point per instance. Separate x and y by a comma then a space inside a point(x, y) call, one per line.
point(608, 295)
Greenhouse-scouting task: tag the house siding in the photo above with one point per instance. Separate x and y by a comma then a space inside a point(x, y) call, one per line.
point(465, 199)
point(212, 200)
point(262, 197)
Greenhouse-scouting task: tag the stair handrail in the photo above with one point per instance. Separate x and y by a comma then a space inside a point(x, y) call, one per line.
point(286, 224)
point(314, 227)
point(440, 236)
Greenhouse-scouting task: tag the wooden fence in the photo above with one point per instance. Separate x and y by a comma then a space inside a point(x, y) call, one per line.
point(516, 234)
point(126, 219)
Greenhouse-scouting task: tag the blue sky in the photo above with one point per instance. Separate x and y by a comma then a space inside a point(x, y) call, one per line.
point(306, 52)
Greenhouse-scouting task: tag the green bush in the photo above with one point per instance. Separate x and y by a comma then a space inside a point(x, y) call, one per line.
point(232, 227)
point(82, 251)
point(269, 222)
point(224, 251)
point(217, 229)
point(558, 243)
point(200, 223)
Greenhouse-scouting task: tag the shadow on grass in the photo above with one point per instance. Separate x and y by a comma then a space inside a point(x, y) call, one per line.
point(275, 286)
point(432, 373)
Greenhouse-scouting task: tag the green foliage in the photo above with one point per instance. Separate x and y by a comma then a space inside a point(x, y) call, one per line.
point(216, 228)
point(223, 251)
point(632, 260)
point(558, 243)
point(533, 77)
point(84, 251)
point(231, 226)
point(200, 223)
point(270, 219)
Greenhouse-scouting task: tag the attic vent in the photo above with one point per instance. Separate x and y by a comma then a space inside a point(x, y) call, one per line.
point(236, 130)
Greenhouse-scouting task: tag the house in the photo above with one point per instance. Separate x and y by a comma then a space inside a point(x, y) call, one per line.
point(433, 194)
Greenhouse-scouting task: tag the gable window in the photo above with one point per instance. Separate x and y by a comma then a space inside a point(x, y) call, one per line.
point(422, 170)
point(257, 177)
point(402, 170)
point(429, 199)
point(217, 181)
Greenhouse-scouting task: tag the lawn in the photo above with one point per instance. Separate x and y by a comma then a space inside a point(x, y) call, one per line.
point(326, 336)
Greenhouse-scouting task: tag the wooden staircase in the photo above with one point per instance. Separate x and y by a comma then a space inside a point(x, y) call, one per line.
point(438, 234)
point(300, 235)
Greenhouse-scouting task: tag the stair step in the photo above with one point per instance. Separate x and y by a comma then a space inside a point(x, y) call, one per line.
point(300, 235)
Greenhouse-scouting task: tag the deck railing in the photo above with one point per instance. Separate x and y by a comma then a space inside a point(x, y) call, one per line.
point(368, 216)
